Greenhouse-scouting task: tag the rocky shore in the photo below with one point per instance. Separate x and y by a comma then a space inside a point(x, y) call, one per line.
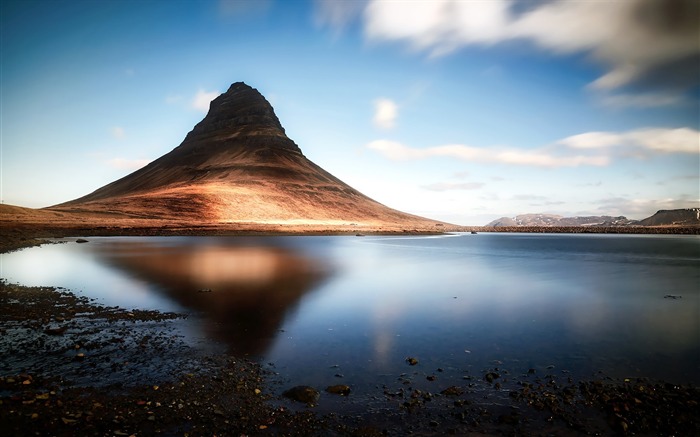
point(69, 365)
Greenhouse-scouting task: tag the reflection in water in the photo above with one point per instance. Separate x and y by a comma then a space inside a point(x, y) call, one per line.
point(242, 293)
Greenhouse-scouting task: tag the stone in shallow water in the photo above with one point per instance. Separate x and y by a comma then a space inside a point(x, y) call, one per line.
point(340, 389)
point(452, 391)
point(302, 393)
point(489, 377)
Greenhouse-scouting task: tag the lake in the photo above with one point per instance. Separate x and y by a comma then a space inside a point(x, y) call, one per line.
point(323, 310)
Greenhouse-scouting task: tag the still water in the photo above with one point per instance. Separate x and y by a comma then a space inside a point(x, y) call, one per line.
point(350, 310)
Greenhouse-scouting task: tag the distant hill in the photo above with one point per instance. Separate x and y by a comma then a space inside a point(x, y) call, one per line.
point(673, 217)
point(552, 220)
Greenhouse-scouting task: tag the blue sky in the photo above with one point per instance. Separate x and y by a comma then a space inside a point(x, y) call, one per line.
point(463, 111)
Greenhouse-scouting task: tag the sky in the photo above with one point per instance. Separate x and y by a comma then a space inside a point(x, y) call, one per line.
point(462, 111)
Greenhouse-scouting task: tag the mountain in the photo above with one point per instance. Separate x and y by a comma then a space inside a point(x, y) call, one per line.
point(685, 217)
point(552, 220)
point(238, 165)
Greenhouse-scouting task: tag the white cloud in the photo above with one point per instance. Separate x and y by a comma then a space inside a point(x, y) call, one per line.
point(385, 113)
point(118, 132)
point(634, 39)
point(202, 99)
point(681, 140)
point(539, 158)
point(127, 164)
point(438, 26)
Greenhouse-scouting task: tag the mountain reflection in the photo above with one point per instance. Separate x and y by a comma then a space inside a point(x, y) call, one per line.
point(242, 292)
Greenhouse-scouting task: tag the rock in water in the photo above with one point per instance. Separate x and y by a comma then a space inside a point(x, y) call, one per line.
point(302, 393)
point(340, 389)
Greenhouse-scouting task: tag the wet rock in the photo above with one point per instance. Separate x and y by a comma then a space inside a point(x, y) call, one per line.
point(452, 391)
point(491, 376)
point(339, 389)
point(81, 240)
point(412, 361)
point(302, 393)
point(55, 331)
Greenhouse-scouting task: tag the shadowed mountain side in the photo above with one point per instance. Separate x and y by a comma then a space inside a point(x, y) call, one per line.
point(238, 165)
point(242, 293)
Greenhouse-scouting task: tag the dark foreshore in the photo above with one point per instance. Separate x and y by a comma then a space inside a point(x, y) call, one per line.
point(70, 366)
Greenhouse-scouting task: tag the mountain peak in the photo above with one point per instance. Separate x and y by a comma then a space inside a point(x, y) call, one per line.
point(241, 115)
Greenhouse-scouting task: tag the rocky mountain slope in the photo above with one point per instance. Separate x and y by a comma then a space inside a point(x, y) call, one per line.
point(238, 165)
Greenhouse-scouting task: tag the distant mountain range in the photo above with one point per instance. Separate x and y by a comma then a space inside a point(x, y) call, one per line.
point(673, 217)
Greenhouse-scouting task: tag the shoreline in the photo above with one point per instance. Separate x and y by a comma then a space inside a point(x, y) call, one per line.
point(20, 235)
point(165, 387)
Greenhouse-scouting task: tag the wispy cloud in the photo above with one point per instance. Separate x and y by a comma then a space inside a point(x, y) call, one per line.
point(385, 113)
point(528, 197)
point(539, 158)
point(337, 14)
point(643, 100)
point(118, 132)
point(452, 186)
point(642, 208)
point(202, 99)
point(681, 140)
point(586, 149)
point(171, 99)
point(127, 164)
point(537, 201)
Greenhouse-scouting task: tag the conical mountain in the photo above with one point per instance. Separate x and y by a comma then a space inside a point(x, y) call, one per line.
point(238, 165)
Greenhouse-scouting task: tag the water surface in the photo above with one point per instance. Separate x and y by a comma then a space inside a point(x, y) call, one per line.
point(330, 310)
